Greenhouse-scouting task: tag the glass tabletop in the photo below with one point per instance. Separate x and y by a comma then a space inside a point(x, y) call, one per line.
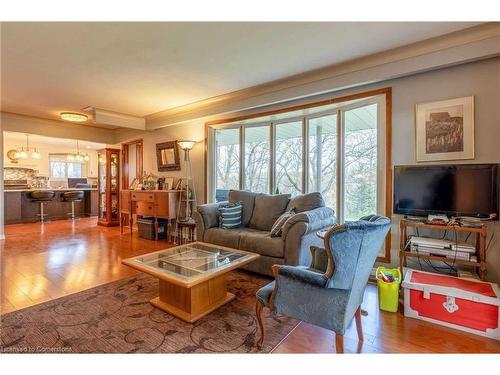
point(189, 260)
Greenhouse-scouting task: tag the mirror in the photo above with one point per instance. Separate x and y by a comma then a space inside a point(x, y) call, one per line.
point(167, 156)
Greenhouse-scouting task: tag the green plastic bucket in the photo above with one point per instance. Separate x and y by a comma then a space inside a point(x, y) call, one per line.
point(388, 292)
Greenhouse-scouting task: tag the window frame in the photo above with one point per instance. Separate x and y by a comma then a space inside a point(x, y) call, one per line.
point(383, 99)
point(271, 152)
point(59, 158)
point(274, 124)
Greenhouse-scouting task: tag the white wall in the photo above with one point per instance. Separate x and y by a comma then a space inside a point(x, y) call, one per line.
point(42, 164)
point(194, 131)
point(481, 79)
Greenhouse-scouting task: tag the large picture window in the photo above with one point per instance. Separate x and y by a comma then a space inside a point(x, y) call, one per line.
point(289, 158)
point(257, 158)
point(340, 150)
point(227, 159)
point(322, 157)
point(360, 162)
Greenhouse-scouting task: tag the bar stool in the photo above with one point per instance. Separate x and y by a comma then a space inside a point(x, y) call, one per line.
point(73, 196)
point(42, 196)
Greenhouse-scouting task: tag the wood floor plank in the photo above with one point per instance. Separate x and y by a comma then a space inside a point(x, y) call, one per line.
point(42, 262)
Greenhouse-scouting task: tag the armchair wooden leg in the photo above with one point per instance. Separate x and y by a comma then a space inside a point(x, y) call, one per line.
point(339, 343)
point(258, 311)
point(359, 327)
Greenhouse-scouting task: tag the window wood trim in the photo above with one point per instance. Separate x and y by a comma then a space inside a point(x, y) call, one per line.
point(387, 91)
point(125, 181)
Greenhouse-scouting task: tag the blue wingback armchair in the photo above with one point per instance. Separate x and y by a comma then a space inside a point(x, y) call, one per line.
point(329, 292)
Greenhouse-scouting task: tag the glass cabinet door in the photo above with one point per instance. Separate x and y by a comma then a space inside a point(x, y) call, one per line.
point(109, 187)
point(114, 186)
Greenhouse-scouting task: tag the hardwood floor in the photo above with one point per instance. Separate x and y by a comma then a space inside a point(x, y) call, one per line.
point(42, 262)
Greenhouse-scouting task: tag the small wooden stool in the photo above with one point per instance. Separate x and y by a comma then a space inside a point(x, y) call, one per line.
point(187, 226)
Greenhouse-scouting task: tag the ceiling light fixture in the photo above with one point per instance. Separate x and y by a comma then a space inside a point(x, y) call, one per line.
point(78, 156)
point(73, 117)
point(27, 152)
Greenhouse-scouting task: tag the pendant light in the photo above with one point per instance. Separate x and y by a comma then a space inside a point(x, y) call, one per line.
point(27, 152)
point(78, 156)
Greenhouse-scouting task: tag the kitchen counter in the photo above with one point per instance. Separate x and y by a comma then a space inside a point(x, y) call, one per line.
point(20, 208)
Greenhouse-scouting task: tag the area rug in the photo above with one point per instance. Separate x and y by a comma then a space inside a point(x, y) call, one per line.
point(118, 318)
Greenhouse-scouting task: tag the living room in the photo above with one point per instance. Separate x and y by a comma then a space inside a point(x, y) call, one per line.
point(340, 201)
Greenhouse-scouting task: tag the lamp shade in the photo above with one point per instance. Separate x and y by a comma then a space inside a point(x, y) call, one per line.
point(186, 145)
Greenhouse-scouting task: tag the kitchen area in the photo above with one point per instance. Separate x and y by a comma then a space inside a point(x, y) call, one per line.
point(48, 178)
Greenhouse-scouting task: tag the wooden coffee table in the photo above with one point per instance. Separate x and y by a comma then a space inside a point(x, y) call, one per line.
point(192, 277)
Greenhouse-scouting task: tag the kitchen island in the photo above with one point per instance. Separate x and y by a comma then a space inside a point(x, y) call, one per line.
point(20, 208)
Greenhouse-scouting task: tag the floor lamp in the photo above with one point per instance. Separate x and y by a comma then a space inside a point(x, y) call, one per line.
point(187, 146)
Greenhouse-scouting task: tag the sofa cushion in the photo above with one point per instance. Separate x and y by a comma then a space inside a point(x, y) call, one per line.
point(247, 199)
point(210, 214)
point(230, 215)
point(223, 237)
point(267, 209)
point(261, 242)
point(277, 228)
point(306, 202)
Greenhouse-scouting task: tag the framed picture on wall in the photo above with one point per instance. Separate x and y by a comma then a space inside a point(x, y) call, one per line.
point(167, 156)
point(445, 129)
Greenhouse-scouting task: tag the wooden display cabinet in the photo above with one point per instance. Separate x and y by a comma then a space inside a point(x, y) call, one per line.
point(108, 187)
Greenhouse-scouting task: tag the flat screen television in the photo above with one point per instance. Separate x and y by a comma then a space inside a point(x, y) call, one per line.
point(452, 190)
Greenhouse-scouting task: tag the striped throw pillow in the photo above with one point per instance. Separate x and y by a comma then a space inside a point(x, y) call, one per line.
point(230, 215)
point(280, 222)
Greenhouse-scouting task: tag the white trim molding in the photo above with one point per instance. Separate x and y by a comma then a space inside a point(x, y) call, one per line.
point(472, 44)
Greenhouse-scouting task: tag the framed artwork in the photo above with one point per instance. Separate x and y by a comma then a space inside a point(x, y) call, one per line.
point(134, 184)
point(169, 183)
point(178, 184)
point(167, 156)
point(445, 129)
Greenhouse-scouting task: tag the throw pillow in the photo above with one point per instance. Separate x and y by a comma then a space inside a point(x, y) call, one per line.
point(247, 199)
point(306, 202)
point(277, 228)
point(230, 215)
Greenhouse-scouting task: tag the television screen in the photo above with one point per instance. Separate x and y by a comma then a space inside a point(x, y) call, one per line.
point(454, 190)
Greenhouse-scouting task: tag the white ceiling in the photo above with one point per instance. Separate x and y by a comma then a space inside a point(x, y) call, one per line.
point(142, 68)
point(19, 139)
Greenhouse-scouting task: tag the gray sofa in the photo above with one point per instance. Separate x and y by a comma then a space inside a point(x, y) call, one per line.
point(260, 211)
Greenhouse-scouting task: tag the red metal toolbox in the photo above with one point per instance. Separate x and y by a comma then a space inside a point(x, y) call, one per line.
point(464, 304)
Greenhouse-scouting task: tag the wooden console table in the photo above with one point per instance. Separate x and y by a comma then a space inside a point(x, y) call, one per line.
point(480, 234)
point(151, 203)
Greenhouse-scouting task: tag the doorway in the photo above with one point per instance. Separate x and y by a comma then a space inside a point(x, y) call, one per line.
point(132, 162)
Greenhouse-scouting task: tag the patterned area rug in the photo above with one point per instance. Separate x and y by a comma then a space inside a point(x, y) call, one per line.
point(118, 318)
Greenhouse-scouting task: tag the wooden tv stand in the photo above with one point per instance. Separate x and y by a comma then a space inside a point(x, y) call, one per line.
point(480, 234)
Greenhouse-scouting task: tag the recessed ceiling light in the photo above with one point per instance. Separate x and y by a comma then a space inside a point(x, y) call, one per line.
point(73, 117)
